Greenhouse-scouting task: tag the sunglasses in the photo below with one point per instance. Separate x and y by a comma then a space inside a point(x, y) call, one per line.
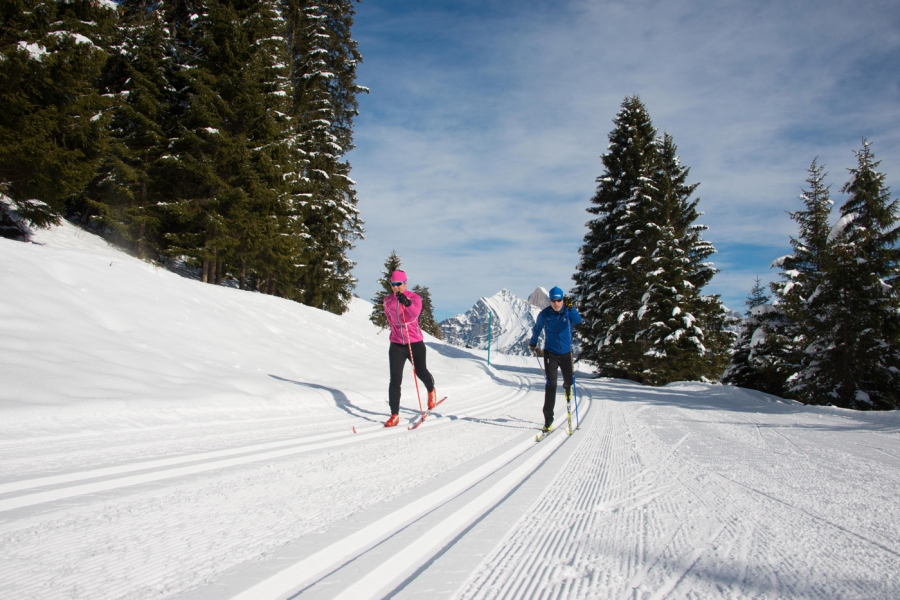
point(397, 283)
point(556, 300)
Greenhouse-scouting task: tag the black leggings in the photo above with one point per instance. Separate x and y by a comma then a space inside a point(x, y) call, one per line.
point(551, 362)
point(398, 355)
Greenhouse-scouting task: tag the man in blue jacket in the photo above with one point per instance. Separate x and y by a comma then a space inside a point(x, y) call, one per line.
point(556, 322)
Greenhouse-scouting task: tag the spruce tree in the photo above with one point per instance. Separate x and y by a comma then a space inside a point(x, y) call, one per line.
point(122, 198)
point(757, 361)
point(226, 133)
point(802, 272)
point(611, 276)
point(323, 75)
point(673, 313)
point(644, 263)
point(52, 123)
point(392, 264)
point(854, 345)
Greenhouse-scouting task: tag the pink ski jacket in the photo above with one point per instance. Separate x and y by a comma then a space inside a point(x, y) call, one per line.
point(394, 312)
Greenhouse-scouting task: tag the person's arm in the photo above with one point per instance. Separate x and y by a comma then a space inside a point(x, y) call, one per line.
point(536, 332)
point(574, 316)
point(413, 304)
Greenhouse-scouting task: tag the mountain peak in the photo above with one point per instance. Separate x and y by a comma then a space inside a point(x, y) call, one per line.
point(510, 319)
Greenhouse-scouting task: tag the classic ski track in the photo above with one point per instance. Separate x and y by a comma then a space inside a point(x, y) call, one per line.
point(631, 516)
point(165, 509)
point(512, 467)
point(21, 493)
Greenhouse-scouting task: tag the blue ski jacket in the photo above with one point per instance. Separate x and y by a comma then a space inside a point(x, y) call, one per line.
point(557, 327)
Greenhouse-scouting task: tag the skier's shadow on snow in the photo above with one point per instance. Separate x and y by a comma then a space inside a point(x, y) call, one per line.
point(340, 399)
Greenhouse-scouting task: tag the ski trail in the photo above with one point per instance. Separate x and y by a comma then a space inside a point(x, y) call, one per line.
point(168, 468)
point(305, 572)
point(436, 537)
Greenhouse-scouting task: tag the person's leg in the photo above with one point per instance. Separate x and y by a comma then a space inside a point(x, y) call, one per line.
point(397, 356)
point(565, 365)
point(551, 364)
point(418, 350)
point(419, 355)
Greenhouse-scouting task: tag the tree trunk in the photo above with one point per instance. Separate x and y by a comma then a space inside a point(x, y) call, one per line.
point(204, 271)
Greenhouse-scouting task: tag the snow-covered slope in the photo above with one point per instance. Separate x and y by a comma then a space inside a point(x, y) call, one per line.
point(163, 438)
point(510, 318)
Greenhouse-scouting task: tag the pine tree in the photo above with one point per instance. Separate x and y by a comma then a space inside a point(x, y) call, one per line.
point(855, 343)
point(323, 74)
point(225, 168)
point(673, 313)
point(52, 123)
point(611, 276)
point(426, 317)
point(803, 271)
point(757, 359)
point(644, 263)
point(392, 264)
point(121, 199)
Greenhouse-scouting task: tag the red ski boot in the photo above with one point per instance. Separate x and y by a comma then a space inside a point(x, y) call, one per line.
point(393, 421)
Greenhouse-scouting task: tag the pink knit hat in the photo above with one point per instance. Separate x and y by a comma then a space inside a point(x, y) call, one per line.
point(398, 276)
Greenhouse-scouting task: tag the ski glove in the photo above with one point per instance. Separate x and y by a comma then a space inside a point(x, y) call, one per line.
point(533, 348)
point(402, 299)
point(569, 303)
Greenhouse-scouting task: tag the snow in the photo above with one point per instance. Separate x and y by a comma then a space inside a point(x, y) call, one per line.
point(36, 51)
point(166, 438)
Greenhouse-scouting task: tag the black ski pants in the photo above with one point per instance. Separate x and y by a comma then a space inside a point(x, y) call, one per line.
point(397, 357)
point(552, 362)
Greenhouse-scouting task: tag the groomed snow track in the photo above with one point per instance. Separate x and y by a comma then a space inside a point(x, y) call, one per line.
point(642, 502)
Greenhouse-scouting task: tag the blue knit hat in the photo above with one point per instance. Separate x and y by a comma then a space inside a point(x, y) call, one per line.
point(556, 293)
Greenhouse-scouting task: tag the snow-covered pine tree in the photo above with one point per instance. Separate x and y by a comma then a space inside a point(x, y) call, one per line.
point(757, 361)
point(644, 263)
point(742, 372)
point(392, 264)
point(121, 200)
point(52, 127)
point(855, 345)
point(261, 215)
point(190, 172)
point(426, 317)
point(611, 277)
point(323, 74)
point(223, 169)
point(802, 272)
point(673, 313)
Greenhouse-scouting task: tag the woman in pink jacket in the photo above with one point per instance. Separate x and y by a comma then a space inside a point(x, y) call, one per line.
point(402, 310)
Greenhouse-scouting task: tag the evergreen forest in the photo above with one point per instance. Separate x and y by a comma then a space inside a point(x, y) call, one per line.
point(829, 333)
point(212, 132)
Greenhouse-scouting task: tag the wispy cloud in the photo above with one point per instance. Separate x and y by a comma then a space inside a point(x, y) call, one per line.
point(478, 148)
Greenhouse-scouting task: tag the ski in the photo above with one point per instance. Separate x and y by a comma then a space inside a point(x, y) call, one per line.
point(415, 424)
point(569, 416)
point(542, 435)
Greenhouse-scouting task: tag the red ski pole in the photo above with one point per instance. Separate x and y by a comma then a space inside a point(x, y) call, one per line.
point(409, 346)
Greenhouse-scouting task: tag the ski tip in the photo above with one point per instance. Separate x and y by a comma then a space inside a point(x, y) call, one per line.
point(354, 429)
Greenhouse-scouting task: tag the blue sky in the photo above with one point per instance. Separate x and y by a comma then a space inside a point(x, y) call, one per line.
point(478, 147)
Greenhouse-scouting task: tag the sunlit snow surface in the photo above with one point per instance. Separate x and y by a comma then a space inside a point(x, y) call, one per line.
point(164, 438)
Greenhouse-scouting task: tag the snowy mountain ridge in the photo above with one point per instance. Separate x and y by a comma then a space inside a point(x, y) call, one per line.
point(510, 319)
